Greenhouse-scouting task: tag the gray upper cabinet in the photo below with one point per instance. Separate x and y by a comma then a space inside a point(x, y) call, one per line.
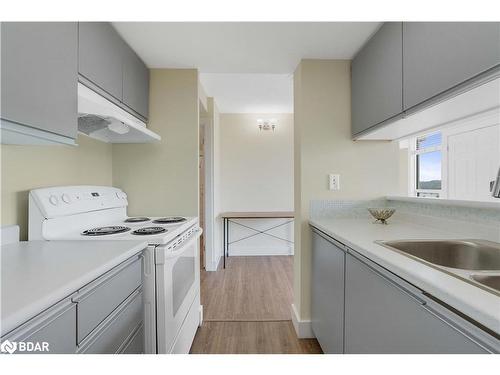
point(39, 75)
point(377, 79)
point(109, 66)
point(440, 55)
point(135, 83)
point(100, 56)
point(327, 297)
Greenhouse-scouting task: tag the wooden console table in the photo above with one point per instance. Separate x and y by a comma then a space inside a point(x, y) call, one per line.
point(228, 217)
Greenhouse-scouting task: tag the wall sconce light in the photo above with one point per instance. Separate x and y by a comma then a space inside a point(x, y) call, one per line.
point(267, 124)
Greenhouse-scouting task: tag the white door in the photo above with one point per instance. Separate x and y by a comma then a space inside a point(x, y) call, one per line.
point(473, 160)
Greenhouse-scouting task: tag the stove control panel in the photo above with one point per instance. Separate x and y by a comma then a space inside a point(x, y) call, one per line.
point(70, 200)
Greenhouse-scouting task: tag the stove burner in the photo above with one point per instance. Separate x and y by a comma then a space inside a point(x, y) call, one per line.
point(101, 231)
point(169, 220)
point(149, 230)
point(137, 219)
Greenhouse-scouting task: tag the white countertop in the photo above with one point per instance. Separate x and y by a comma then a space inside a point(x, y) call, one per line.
point(37, 274)
point(360, 234)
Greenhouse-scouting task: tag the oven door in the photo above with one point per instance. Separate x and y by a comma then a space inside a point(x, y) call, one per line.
point(177, 284)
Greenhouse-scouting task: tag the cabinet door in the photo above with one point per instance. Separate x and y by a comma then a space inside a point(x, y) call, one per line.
point(39, 75)
point(381, 316)
point(100, 56)
point(327, 298)
point(56, 327)
point(440, 55)
point(377, 79)
point(135, 83)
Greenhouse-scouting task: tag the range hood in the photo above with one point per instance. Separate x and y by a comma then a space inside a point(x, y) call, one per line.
point(101, 119)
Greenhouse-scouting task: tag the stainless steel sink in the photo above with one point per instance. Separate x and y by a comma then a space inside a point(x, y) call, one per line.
point(462, 254)
point(463, 259)
point(491, 281)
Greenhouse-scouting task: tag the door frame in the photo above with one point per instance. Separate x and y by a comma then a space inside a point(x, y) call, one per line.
point(210, 258)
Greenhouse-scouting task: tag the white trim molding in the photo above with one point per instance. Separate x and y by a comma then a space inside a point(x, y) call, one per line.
point(212, 265)
point(303, 328)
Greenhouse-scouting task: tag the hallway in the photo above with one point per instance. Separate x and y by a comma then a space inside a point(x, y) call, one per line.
point(247, 309)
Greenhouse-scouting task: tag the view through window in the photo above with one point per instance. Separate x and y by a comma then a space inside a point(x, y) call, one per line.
point(428, 166)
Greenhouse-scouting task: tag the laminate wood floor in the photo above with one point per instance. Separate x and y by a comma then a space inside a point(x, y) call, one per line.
point(249, 289)
point(247, 309)
point(276, 337)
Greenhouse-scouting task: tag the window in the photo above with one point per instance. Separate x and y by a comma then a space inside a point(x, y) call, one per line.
point(457, 161)
point(427, 166)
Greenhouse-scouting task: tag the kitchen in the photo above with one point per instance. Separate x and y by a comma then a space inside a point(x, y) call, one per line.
point(101, 187)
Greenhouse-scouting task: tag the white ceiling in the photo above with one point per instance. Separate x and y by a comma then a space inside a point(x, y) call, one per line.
point(250, 93)
point(243, 47)
point(246, 66)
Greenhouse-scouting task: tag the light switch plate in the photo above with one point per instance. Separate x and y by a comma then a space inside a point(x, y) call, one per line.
point(334, 181)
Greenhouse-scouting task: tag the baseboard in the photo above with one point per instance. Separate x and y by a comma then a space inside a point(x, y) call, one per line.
point(213, 266)
point(303, 328)
point(201, 316)
point(259, 251)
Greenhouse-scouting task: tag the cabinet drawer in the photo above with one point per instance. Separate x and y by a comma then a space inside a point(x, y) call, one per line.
point(97, 300)
point(56, 326)
point(136, 343)
point(112, 334)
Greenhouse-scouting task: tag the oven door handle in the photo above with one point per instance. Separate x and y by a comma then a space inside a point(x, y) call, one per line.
point(162, 255)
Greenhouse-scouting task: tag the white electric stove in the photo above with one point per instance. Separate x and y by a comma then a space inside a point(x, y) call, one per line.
point(171, 260)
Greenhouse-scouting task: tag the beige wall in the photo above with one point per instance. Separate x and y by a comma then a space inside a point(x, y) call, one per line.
point(323, 145)
point(162, 178)
point(256, 166)
point(28, 167)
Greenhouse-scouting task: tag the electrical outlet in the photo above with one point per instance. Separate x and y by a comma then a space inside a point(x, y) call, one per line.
point(334, 181)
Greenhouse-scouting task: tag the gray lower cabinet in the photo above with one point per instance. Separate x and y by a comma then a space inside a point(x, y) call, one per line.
point(327, 298)
point(55, 328)
point(135, 83)
point(440, 55)
point(135, 344)
point(117, 330)
point(100, 56)
point(105, 316)
point(39, 63)
point(100, 298)
point(377, 79)
point(385, 315)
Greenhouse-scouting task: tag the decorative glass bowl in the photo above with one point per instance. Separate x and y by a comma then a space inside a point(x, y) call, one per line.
point(381, 214)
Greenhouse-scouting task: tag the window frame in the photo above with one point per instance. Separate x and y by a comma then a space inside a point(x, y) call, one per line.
point(413, 191)
point(471, 123)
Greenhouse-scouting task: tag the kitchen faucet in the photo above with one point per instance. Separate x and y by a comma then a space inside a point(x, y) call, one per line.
point(495, 186)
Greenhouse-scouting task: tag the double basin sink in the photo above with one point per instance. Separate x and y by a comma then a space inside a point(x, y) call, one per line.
point(476, 261)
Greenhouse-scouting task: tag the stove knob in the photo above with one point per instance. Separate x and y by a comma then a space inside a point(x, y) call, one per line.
point(66, 198)
point(53, 200)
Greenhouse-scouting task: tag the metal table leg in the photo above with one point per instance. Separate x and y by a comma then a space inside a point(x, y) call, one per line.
point(224, 240)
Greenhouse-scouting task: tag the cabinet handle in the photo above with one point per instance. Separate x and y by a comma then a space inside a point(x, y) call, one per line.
point(90, 288)
point(333, 241)
point(434, 308)
point(419, 300)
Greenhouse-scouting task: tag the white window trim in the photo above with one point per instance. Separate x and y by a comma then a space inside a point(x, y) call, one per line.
point(475, 122)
